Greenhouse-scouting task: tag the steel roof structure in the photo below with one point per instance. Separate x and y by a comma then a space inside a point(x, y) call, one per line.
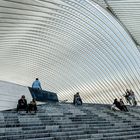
point(72, 45)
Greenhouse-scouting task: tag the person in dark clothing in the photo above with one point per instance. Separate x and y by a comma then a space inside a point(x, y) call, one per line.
point(127, 96)
point(77, 99)
point(124, 108)
point(120, 105)
point(32, 106)
point(132, 95)
point(117, 104)
point(22, 104)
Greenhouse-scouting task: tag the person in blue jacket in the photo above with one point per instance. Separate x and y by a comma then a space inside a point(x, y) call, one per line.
point(36, 86)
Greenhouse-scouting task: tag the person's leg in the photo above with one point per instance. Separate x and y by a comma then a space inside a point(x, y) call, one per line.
point(120, 107)
point(114, 108)
point(129, 100)
point(80, 101)
point(17, 107)
point(124, 108)
point(76, 102)
point(134, 101)
point(20, 107)
point(27, 108)
point(126, 99)
point(30, 108)
point(33, 94)
point(35, 108)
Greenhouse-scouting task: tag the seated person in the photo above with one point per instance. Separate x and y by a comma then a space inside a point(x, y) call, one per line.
point(117, 104)
point(120, 105)
point(32, 106)
point(114, 108)
point(77, 99)
point(36, 86)
point(124, 108)
point(22, 104)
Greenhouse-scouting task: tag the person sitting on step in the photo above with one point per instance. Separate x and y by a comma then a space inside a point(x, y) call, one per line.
point(123, 106)
point(22, 104)
point(36, 86)
point(77, 99)
point(120, 105)
point(32, 106)
point(117, 104)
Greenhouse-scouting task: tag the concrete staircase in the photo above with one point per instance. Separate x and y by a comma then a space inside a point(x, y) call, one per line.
point(68, 122)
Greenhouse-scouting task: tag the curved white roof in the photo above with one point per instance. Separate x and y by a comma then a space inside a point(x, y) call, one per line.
point(70, 45)
point(128, 12)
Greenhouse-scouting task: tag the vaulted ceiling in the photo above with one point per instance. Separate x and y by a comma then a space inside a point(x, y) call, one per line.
point(72, 45)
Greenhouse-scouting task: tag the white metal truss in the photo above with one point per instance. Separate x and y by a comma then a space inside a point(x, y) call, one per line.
point(70, 45)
